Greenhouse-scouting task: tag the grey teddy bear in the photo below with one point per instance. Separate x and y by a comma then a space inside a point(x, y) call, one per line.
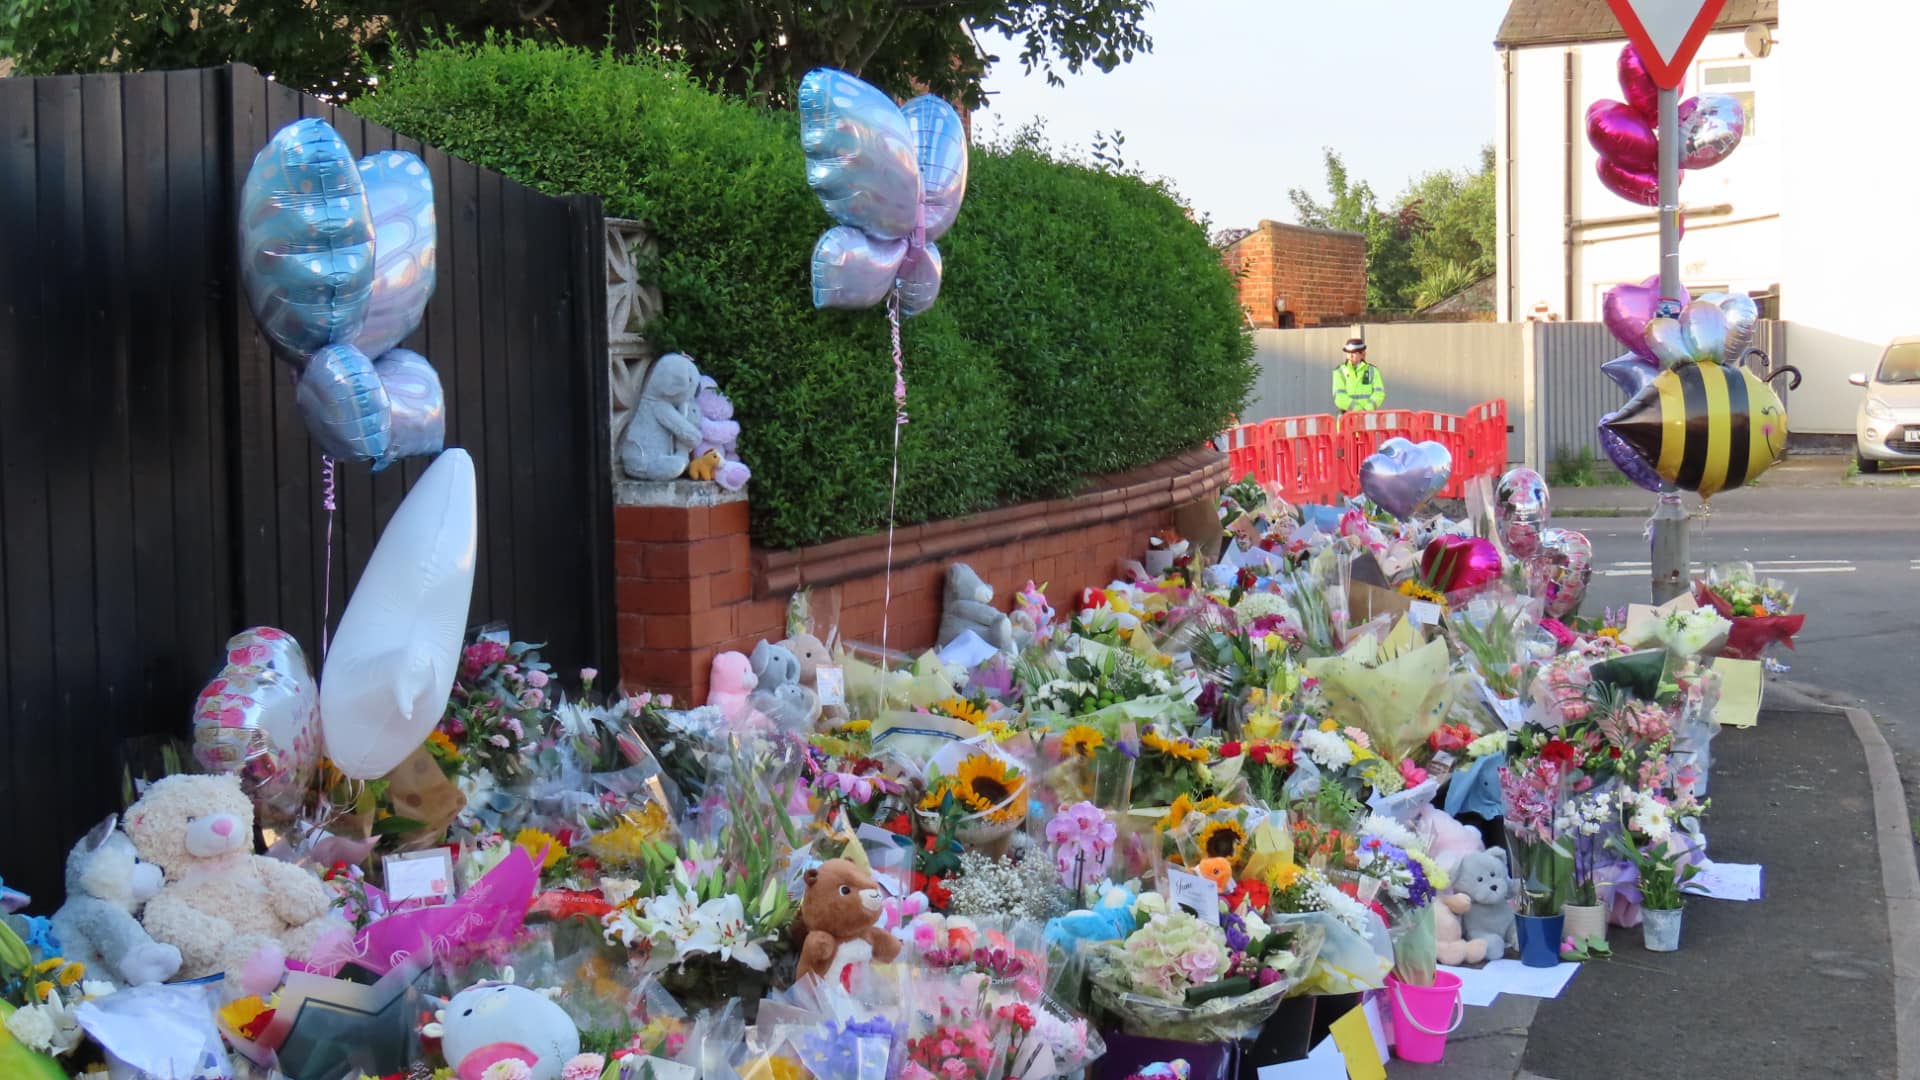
point(106, 885)
point(968, 605)
point(1483, 877)
point(779, 692)
point(666, 423)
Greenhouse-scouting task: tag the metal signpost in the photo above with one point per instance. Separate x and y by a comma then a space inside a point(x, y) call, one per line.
point(1666, 34)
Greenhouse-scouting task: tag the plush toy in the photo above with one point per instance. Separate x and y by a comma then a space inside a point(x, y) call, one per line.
point(729, 688)
point(779, 692)
point(666, 425)
point(1450, 945)
point(968, 605)
point(1032, 616)
point(838, 922)
point(812, 655)
point(106, 886)
point(1447, 840)
point(720, 436)
point(1483, 877)
point(490, 1023)
point(1111, 920)
point(222, 904)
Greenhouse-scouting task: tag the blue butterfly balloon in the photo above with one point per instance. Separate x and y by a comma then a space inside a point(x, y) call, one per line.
point(337, 261)
point(893, 177)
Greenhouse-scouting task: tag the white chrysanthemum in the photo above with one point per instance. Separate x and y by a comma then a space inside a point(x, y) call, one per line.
point(34, 1027)
point(1327, 748)
point(1391, 831)
point(1260, 605)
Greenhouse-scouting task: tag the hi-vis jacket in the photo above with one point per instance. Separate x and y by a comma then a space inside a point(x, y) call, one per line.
point(1358, 386)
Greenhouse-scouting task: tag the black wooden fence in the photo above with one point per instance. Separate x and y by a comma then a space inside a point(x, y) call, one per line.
point(157, 488)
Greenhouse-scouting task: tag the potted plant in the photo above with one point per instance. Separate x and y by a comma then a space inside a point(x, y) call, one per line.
point(1648, 841)
point(1531, 785)
point(1585, 821)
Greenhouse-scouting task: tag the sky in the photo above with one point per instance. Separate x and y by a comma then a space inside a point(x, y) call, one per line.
point(1239, 96)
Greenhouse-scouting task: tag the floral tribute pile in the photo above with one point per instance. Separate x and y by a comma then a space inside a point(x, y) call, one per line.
point(1202, 795)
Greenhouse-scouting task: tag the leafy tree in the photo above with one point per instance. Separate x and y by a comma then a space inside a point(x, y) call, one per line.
point(756, 48)
point(1436, 238)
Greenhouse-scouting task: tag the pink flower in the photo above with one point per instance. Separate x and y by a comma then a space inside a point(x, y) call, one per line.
point(587, 674)
point(584, 1067)
point(500, 741)
point(232, 718)
point(510, 1069)
point(536, 679)
point(1413, 774)
point(533, 699)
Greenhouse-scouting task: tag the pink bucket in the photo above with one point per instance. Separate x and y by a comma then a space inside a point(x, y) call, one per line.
point(1423, 1016)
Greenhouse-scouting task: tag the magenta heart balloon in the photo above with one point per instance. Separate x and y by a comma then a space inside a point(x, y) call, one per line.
point(1622, 136)
point(1711, 126)
point(1627, 309)
point(1453, 563)
point(1633, 185)
point(1637, 86)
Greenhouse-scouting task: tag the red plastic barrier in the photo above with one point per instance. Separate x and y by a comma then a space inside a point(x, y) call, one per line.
point(1316, 459)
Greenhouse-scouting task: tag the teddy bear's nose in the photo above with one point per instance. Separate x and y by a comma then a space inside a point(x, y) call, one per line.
point(222, 826)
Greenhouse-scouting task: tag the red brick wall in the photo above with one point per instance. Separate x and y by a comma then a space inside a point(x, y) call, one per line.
point(1321, 274)
point(691, 584)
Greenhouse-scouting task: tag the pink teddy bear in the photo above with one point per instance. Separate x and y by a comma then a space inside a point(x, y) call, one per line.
point(730, 684)
point(720, 433)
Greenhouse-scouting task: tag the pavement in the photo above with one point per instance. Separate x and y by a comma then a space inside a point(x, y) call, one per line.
point(1822, 976)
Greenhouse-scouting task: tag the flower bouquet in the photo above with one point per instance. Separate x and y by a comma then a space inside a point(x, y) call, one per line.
point(1761, 611)
point(976, 791)
point(1533, 784)
point(1182, 978)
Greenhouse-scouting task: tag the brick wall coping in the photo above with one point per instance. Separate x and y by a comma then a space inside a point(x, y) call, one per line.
point(680, 493)
point(1171, 482)
point(1268, 224)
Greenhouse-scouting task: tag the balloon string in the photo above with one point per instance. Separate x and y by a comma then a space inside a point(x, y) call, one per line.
point(893, 488)
point(328, 501)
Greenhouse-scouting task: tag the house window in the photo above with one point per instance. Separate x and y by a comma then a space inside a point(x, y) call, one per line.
point(1734, 80)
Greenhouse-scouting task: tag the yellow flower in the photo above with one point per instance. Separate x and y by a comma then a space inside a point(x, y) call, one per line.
point(1610, 632)
point(1213, 804)
point(626, 843)
point(961, 709)
point(1178, 749)
point(1177, 813)
point(42, 989)
point(986, 785)
point(443, 743)
point(1262, 726)
point(47, 965)
point(997, 730)
point(1081, 740)
point(1329, 724)
point(1256, 698)
point(1418, 591)
point(1223, 840)
point(240, 1013)
point(72, 973)
point(534, 840)
point(1284, 875)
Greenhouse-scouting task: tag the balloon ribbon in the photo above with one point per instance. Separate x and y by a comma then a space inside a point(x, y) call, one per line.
point(328, 501)
point(893, 492)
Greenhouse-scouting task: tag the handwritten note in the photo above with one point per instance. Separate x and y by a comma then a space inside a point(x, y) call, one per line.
point(1195, 893)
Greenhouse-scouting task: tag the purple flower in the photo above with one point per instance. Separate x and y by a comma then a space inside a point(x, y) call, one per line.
point(1127, 748)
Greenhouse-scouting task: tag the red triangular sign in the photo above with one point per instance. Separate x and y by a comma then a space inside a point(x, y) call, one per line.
point(1666, 33)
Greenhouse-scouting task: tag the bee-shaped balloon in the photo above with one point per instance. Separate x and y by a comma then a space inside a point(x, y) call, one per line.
point(1705, 426)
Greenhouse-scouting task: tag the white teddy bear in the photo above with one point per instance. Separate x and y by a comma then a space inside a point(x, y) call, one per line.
point(222, 905)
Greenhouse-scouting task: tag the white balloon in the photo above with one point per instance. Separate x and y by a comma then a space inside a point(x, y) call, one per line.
point(387, 677)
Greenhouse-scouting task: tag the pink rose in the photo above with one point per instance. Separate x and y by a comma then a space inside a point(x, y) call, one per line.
point(533, 699)
point(536, 678)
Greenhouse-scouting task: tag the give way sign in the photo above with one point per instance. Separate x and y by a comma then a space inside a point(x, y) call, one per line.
point(1666, 33)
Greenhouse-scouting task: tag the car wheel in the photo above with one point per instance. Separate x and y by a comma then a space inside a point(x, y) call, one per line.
point(1867, 465)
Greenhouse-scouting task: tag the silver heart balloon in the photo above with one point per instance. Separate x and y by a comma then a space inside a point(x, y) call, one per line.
point(1402, 475)
point(1558, 573)
point(1521, 509)
point(1630, 373)
point(1699, 334)
point(1711, 126)
point(1743, 318)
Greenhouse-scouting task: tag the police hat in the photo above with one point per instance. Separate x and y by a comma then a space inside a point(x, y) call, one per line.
point(1354, 345)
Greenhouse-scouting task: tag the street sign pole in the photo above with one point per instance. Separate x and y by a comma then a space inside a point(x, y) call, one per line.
point(1671, 566)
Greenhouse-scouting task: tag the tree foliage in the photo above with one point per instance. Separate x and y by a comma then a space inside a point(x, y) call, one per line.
point(756, 48)
point(1435, 239)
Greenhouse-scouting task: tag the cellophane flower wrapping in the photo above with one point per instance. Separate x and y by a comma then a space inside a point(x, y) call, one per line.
point(1398, 702)
point(1749, 635)
point(1168, 980)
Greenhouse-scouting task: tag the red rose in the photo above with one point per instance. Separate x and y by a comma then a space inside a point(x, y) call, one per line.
point(1230, 749)
point(1559, 751)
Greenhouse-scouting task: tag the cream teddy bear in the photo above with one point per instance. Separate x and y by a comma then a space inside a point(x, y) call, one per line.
point(1450, 945)
point(222, 905)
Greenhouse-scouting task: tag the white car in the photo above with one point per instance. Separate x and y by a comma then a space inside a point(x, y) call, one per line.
point(1887, 428)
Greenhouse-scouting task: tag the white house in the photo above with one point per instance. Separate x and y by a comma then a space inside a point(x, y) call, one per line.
point(1817, 215)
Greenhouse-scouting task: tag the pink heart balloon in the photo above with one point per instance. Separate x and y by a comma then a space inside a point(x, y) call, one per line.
point(1633, 185)
point(1711, 127)
point(1453, 563)
point(1622, 136)
point(1637, 86)
point(1627, 309)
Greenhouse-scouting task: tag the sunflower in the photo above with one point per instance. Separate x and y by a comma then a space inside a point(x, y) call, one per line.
point(543, 847)
point(1081, 740)
point(961, 709)
point(1284, 875)
point(1177, 813)
point(1178, 749)
point(1223, 840)
point(987, 785)
point(1418, 591)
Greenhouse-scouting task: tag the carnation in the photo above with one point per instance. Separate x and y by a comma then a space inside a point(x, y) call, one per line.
point(1327, 748)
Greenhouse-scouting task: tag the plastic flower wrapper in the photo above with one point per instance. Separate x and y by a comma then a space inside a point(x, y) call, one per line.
point(976, 788)
point(1694, 633)
point(1409, 882)
point(1169, 979)
point(1088, 759)
point(834, 1033)
point(1533, 785)
point(951, 1030)
point(1355, 952)
point(1081, 839)
point(715, 1043)
point(1760, 613)
point(1397, 702)
point(1498, 638)
point(879, 680)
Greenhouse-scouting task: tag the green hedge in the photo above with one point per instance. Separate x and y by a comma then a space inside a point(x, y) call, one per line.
point(1085, 325)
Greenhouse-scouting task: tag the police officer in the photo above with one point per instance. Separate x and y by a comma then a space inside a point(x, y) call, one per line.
point(1357, 384)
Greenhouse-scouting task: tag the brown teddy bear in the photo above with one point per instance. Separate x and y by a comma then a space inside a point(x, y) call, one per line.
point(837, 917)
